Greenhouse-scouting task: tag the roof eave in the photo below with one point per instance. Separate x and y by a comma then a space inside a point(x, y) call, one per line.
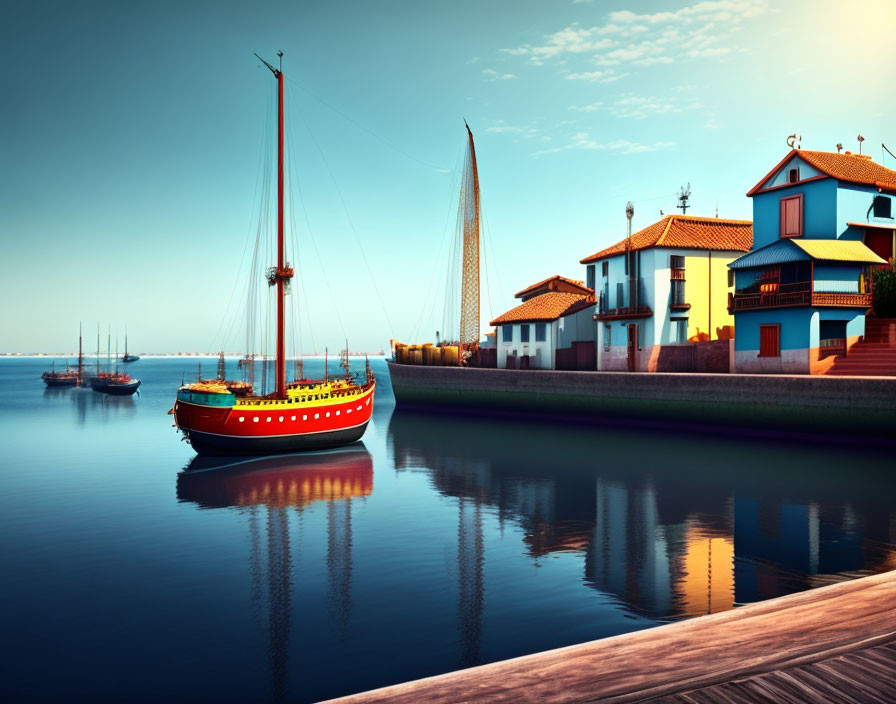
point(755, 189)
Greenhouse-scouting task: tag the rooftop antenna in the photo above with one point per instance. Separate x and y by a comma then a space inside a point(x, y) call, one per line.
point(839, 147)
point(861, 139)
point(793, 141)
point(884, 149)
point(684, 193)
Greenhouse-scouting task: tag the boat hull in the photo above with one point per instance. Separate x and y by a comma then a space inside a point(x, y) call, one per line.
point(127, 389)
point(211, 444)
point(60, 383)
point(267, 426)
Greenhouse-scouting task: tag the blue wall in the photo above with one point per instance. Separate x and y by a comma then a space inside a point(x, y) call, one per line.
point(853, 202)
point(837, 278)
point(819, 211)
point(794, 322)
point(799, 326)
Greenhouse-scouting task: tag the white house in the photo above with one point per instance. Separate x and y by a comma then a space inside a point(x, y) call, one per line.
point(664, 287)
point(553, 328)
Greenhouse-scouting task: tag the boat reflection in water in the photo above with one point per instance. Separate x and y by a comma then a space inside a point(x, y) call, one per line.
point(280, 485)
point(87, 404)
point(680, 526)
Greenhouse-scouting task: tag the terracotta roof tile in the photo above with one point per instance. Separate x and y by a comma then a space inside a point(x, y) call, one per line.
point(843, 167)
point(551, 280)
point(545, 308)
point(686, 232)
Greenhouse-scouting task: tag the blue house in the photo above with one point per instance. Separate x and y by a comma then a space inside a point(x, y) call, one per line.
point(821, 222)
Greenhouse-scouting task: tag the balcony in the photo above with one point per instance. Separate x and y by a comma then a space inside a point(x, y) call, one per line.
point(794, 296)
point(626, 312)
point(677, 275)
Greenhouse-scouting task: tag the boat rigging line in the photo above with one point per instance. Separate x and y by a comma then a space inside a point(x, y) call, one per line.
point(367, 130)
point(350, 222)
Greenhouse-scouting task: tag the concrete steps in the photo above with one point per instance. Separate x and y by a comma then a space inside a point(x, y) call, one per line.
point(874, 355)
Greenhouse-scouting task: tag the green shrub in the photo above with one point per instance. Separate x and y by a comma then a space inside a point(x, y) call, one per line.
point(884, 292)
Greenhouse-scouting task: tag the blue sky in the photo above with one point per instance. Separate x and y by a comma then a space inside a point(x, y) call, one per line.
point(130, 136)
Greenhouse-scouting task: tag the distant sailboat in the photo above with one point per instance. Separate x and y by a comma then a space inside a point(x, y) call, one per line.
point(113, 383)
point(128, 357)
point(70, 377)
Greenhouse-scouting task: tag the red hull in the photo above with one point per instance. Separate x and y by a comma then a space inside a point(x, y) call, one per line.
point(268, 426)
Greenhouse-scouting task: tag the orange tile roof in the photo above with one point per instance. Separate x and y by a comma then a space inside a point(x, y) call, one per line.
point(686, 232)
point(545, 308)
point(551, 279)
point(843, 167)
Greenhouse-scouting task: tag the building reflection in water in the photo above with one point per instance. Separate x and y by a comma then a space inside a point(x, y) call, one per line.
point(661, 533)
point(279, 486)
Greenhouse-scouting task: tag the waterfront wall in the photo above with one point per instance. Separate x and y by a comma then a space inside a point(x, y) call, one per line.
point(847, 406)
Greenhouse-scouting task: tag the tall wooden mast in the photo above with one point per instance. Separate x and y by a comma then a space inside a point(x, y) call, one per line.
point(469, 296)
point(280, 274)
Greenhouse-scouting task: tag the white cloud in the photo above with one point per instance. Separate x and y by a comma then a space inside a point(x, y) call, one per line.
point(701, 30)
point(637, 107)
point(583, 141)
point(490, 74)
point(596, 76)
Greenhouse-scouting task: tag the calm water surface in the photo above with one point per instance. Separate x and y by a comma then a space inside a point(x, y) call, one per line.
point(438, 543)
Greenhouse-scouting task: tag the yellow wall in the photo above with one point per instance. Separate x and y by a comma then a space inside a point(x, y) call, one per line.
point(700, 271)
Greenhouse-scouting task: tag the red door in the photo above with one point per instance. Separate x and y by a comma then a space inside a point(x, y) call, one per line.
point(633, 347)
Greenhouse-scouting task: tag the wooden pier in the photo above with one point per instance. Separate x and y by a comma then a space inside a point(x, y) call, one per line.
point(831, 644)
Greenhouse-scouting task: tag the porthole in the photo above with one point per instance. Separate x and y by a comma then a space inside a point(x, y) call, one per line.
point(293, 418)
point(316, 416)
point(348, 410)
point(328, 414)
point(359, 408)
point(281, 419)
point(242, 419)
point(304, 417)
point(367, 402)
point(337, 413)
point(268, 419)
point(255, 420)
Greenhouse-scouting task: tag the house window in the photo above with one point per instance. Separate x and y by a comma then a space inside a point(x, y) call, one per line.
point(608, 334)
point(793, 175)
point(676, 261)
point(883, 207)
point(540, 332)
point(605, 269)
point(769, 340)
point(678, 298)
point(590, 277)
point(620, 295)
point(507, 333)
point(524, 332)
point(731, 278)
point(792, 216)
point(679, 332)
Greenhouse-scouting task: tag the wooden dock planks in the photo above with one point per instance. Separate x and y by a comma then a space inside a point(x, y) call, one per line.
point(798, 647)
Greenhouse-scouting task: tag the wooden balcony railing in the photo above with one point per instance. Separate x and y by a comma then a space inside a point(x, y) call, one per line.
point(795, 295)
point(625, 312)
point(677, 275)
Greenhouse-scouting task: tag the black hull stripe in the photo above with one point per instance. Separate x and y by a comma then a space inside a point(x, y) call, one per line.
point(212, 444)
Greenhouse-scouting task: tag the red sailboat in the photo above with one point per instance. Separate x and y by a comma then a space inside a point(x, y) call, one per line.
point(301, 415)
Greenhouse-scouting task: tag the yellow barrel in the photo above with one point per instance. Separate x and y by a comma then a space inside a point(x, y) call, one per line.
point(415, 355)
point(431, 355)
point(449, 356)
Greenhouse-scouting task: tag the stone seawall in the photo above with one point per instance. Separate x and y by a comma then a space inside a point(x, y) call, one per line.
point(845, 406)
